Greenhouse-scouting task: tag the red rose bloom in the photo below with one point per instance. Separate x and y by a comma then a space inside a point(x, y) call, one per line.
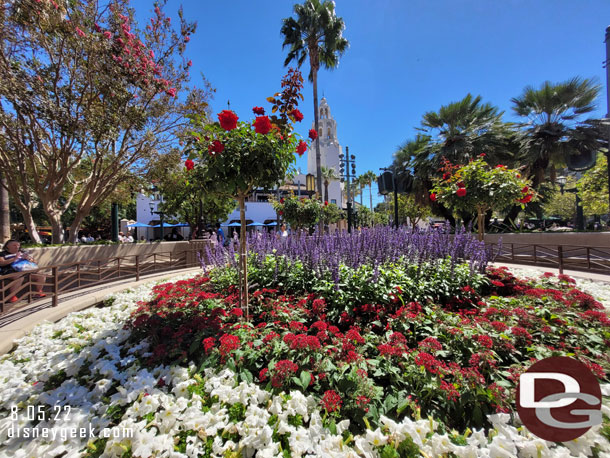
point(258, 111)
point(301, 148)
point(326, 203)
point(500, 166)
point(313, 134)
point(262, 125)
point(297, 115)
point(189, 164)
point(461, 184)
point(446, 176)
point(461, 192)
point(433, 197)
point(216, 147)
point(525, 189)
point(526, 199)
point(228, 119)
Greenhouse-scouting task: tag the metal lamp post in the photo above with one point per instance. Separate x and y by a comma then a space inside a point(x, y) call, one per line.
point(580, 217)
point(161, 215)
point(345, 161)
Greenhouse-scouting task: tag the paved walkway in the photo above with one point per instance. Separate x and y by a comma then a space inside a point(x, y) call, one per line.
point(571, 273)
point(16, 324)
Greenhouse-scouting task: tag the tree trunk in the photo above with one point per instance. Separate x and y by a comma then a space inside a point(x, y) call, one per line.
point(56, 227)
point(371, 194)
point(5, 215)
point(326, 191)
point(243, 255)
point(75, 227)
point(316, 124)
point(481, 223)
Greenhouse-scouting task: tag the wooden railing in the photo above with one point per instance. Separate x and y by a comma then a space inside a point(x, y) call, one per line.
point(64, 278)
point(562, 257)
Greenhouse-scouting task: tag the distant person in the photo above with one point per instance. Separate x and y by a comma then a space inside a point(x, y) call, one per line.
point(283, 231)
point(174, 236)
point(220, 235)
point(11, 261)
point(121, 237)
point(129, 238)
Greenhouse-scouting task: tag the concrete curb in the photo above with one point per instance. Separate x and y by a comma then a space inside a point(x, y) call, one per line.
point(21, 326)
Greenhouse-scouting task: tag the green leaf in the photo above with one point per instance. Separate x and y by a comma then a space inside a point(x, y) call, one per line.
point(305, 379)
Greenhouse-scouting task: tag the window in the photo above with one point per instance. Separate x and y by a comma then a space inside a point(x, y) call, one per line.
point(333, 201)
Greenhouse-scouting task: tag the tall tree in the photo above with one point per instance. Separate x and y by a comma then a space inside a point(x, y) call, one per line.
point(5, 214)
point(318, 33)
point(329, 174)
point(554, 128)
point(86, 98)
point(369, 179)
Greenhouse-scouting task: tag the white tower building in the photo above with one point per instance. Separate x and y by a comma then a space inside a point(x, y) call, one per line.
point(329, 152)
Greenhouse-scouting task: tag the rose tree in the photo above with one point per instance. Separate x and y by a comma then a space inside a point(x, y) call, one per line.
point(302, 213)
point(240, 156)
point(478, 186)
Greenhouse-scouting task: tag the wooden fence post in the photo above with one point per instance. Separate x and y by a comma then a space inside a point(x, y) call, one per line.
point(137, 268)
point(55, 286)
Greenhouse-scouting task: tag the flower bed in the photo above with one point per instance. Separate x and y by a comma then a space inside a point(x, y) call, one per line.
point(421, 357)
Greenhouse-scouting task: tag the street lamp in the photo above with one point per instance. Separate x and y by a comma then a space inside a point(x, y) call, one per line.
point(161, 215)
point(580, 219)
point(345, 161)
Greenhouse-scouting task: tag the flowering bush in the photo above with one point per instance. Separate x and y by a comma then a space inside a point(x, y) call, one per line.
point(238, 157)
point(479, 187)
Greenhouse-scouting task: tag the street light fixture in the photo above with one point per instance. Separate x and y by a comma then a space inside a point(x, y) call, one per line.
point(345, 161)
point(161, 215)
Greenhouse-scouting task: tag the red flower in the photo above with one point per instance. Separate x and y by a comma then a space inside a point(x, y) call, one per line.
point(433, 197)
point(482, 155)
point(446, 176)
point(258, 111)
point(282, 200)
point(326, 203)
point(216, 147)
point(461, 184)
point(80, 32)
point(461, 192)
point(301, 148)
point(262, 375)
point(297, 115)
point(228, 119)
point(313, 134)
point(331, 401)
point(262, 125)
point(107, 34)
point(526, 199)
point(525, 189)
point(189, 164)
point(208, 344)
point(500, 166)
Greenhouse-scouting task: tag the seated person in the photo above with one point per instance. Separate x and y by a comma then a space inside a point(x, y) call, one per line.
point(10, 254)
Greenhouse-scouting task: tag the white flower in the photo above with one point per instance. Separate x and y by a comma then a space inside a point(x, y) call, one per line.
point(376, 438)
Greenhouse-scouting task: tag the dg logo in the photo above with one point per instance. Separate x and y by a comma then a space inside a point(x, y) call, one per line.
point(559, 399)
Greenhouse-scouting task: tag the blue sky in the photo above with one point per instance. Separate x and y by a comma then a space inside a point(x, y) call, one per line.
point(406, 57)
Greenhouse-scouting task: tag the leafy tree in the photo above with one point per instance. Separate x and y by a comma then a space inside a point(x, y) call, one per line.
point(187, 195)
point(409, 210)
point(86, 100)
point(593, 188)
point(238, 157)
point(476, 187)
point(316, 32)
point(305, 213)
point(554, 129)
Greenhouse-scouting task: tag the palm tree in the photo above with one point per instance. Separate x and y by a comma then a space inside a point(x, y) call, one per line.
point(328, 174)
point(316, 32)
point(553, 130)
point(360, 183)
point(369, 179)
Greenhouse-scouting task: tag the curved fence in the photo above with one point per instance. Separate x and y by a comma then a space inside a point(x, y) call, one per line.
point(562, 257)
point(21, 288)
